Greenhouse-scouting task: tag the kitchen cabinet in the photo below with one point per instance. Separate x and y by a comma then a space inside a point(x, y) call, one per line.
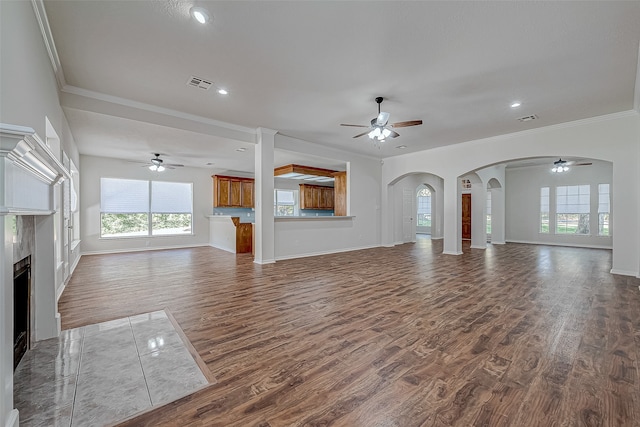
point(340, 193)
point(233, 192)
point(316, 197)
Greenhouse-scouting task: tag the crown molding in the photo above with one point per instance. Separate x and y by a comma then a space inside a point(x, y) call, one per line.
point(47, 37)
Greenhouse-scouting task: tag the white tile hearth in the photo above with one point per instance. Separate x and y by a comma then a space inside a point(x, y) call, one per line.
point(104, 373)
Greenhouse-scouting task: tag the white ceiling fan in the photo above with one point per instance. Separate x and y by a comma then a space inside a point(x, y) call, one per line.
point(158, 165)
point(380, 129)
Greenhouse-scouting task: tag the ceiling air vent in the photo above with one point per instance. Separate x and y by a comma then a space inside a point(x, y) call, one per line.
point(200, 83)
point(528, 118)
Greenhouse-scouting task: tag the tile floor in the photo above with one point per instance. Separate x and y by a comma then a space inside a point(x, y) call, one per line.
point(103, 373)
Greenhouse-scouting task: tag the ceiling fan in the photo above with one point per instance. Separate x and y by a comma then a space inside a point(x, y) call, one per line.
point(380, 129)
point(158, 165)
point(560, 165)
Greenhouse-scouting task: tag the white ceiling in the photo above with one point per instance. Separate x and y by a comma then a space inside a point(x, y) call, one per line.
point(302, 68)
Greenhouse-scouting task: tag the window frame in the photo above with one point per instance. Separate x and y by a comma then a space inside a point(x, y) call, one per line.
point(296, 202)
point(543, 212)
point(427, 216)
point(577, 189)
point(149, 212)
point(607, 213)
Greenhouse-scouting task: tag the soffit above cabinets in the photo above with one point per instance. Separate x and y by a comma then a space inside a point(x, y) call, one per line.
point(305, 173)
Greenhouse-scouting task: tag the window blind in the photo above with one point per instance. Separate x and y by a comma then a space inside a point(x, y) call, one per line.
point(171, 197)
point(124, 195)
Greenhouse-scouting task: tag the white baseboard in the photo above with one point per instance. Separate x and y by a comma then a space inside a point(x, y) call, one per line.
point(569, 245)
point(60, 290)
point(336, 251)
point(222, 248)
point(12, 420)
point(502, 242)
point(478, 246)
point(265, 261)
point(75, 264)
point(452, 252)
point(436, 238)
point(624, 272)
point(155, 248)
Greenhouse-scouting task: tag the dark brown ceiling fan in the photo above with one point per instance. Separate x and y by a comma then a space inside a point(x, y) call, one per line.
point(380, 129)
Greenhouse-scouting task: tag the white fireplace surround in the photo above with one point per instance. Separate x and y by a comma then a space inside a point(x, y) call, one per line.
point(29, 171)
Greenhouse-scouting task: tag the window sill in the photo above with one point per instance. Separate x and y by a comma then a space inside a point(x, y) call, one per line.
point(145, 236)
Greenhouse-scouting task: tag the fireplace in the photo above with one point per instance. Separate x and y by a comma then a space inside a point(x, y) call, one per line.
point(21, 309)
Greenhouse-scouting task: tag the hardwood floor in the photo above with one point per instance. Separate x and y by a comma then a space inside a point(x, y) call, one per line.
point(516, 335)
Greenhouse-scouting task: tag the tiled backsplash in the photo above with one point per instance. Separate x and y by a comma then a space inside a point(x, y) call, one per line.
point(315, 212)
point(245, 214)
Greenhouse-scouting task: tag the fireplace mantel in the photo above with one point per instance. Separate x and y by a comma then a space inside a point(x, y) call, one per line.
point(28, 171)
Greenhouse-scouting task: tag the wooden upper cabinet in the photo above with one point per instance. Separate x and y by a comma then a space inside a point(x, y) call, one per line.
point(340, 193)
point(316, 197)
point(232, 192)
point(247, 194)
point(236, 194)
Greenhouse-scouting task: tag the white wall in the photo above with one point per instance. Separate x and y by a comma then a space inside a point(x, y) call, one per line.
point(523, 202)
point(296, 238)
point(614, 138)
point(93, 168)
point(29, 94)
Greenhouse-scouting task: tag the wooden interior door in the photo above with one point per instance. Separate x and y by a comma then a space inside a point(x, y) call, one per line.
point(466, 216)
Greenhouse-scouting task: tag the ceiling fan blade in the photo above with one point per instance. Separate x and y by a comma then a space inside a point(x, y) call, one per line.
point(407, 123)
point(360, 134)
point(583, 164)
point(383, 118)
point(175, 165)
point(355, 126)
point(393, 134)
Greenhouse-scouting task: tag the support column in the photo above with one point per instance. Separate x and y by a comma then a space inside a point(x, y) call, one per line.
point(264, 251)
point(452, 217)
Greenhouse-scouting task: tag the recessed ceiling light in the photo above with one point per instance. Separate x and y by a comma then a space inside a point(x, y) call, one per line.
point(200, 14)
point(223, 92)
point(516, 104)
point(241, 149)
point(401, 147)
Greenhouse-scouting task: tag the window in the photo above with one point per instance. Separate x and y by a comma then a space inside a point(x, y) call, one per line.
point(572, 209)
point(489, 212)
point(131, 208)
point(424, 208)
point(285, 202)
point(603, 210)
point(544, 210)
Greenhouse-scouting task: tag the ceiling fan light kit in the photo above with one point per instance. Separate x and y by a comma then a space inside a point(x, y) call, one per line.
point(560, 166)
point(158, 165)
point(380, 129)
